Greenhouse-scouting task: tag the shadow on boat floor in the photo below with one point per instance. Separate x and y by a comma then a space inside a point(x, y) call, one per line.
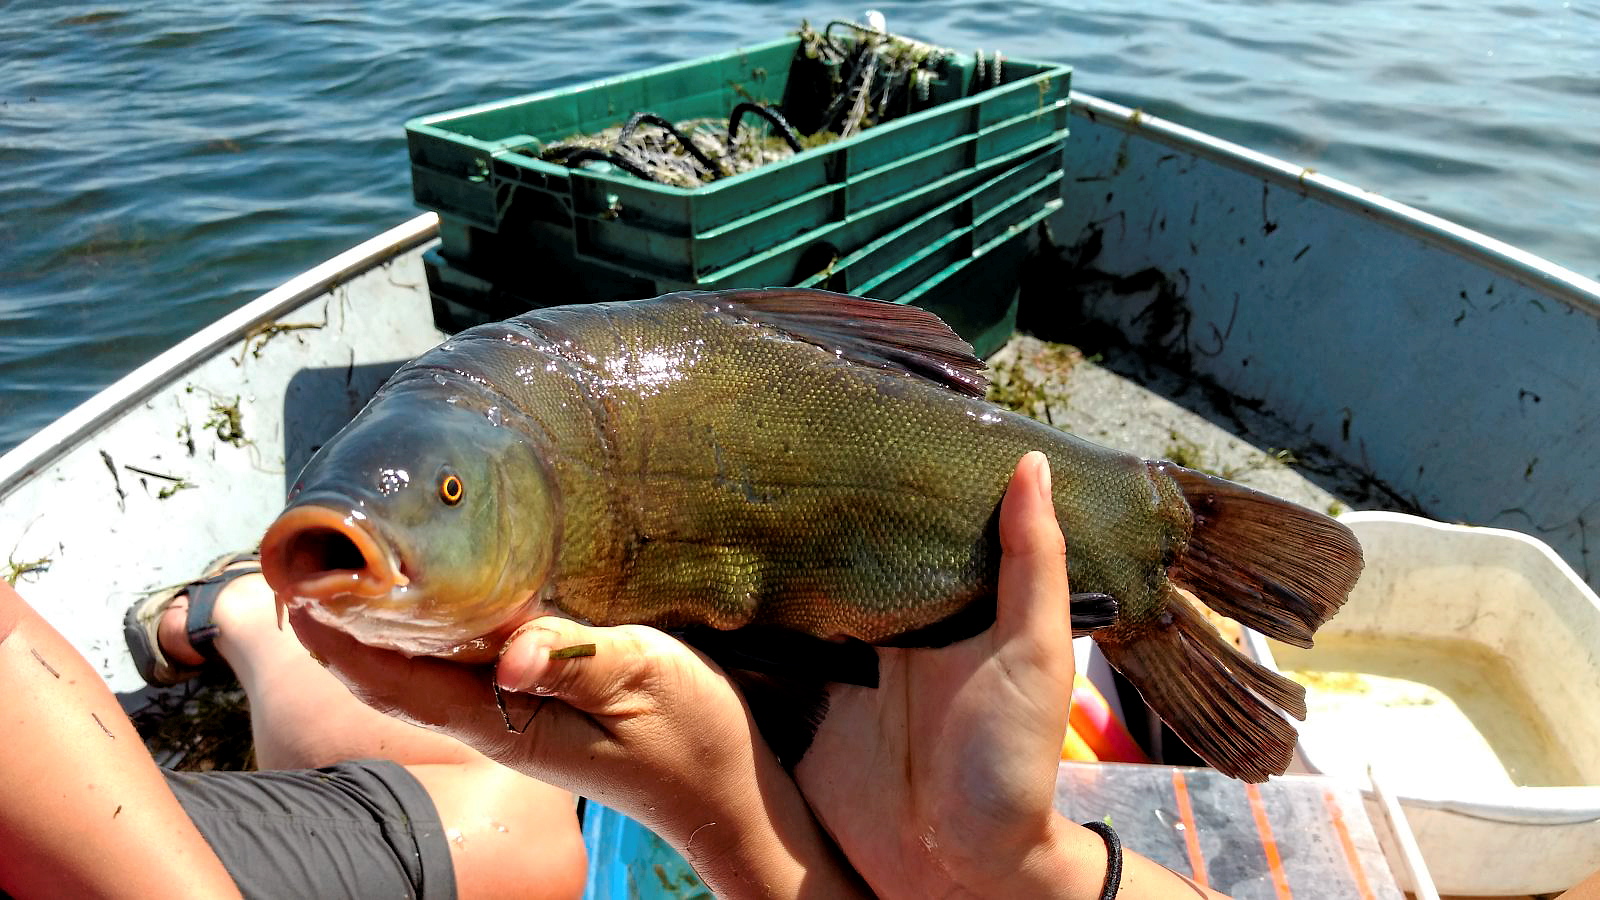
point(200, 725)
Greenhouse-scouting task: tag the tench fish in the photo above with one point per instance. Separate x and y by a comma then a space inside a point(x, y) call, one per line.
point(782, 461)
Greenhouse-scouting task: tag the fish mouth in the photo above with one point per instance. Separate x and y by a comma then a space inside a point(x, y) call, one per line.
point(315, 554)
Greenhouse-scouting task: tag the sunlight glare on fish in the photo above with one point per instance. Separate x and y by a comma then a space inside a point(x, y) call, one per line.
point(647, 370)
point(392, 480)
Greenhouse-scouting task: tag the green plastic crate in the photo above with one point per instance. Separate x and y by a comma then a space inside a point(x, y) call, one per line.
point(470, 165)
point(911, 259)
point(881, 199)
point(561, 270)
point(958, 260)
point(488, 254)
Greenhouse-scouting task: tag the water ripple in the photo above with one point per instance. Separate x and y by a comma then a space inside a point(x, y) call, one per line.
point(165, 163)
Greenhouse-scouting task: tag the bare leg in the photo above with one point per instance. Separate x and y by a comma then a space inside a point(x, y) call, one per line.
point(301, 716)
point(509, 834)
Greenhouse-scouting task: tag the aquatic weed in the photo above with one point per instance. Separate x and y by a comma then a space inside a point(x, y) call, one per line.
point(16, 571)
point(227, 422)
point(869, 79)
point(1186, 453)
point(265, 332)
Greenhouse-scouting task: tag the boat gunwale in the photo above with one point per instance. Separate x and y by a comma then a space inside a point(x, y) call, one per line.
point(61, 436)
point(1529, 269)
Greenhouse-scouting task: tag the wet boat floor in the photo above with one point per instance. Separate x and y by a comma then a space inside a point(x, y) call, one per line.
point(1120, 399)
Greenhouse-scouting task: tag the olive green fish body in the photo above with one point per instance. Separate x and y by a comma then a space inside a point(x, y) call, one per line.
point(714, 471)
point(813, 462)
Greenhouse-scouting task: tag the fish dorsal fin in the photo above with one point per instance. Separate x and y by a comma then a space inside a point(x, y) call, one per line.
point(870, 332)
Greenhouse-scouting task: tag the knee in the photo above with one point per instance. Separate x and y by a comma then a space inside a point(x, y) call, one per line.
point(512, 836)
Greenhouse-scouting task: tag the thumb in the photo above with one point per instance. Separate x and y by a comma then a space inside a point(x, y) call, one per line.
point(1033, 595)
point(601, 671)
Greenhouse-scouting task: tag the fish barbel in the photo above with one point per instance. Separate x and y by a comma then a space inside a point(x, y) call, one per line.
point(783, 461)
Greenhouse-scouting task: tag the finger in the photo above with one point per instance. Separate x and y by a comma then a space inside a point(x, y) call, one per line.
point(658, 702)
point(1034, 595)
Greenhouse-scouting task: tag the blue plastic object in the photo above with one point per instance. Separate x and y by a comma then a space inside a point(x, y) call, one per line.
point(628, 862)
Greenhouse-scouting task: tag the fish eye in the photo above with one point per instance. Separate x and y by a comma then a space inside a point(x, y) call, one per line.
point(451, 488)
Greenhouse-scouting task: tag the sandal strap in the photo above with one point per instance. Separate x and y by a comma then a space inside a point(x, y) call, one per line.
point(203, 594)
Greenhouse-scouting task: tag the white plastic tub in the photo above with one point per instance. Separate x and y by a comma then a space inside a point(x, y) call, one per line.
point(1502, 789)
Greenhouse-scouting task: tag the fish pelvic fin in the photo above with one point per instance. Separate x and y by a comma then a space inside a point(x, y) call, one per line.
point(787, 711)
point(1092, 612)
point(873, 333)
point(1270, 564)
point(1224, 705)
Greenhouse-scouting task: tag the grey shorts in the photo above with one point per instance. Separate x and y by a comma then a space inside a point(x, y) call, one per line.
point(356, 829)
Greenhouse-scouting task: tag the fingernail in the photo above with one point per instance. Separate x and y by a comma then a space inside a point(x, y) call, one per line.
point(524, 661)
point(519, 683)
point(527, 631)
point(1044, 478)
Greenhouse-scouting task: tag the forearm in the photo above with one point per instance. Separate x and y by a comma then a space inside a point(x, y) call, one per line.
point(765, 842)
point(1071, 865)
point(85, 810)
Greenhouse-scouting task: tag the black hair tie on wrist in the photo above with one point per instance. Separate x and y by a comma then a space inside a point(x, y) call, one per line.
point(1113, 858)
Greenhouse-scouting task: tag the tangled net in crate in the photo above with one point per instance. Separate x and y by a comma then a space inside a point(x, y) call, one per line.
point(685, 154)
point(865, 80)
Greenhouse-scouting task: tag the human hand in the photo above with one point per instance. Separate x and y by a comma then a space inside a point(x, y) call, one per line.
point(646, 726)
point(942, 780)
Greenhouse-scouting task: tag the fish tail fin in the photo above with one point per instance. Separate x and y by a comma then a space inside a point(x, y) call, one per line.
point(1272, 565)
point(1223, 704)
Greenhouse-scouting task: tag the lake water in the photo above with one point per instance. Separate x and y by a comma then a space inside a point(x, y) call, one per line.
point(159, 167)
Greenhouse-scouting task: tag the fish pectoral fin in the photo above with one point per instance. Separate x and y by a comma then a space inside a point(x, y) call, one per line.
point(1224, 705)
point(869, 332)
point(784, 676)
